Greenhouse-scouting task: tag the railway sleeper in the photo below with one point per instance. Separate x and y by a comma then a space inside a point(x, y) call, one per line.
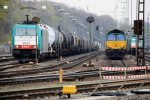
point(68, 79)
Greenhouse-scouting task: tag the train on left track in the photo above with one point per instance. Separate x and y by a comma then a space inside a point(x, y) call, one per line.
point(31, 39)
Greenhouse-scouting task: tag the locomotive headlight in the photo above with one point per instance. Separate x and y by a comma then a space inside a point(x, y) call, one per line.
point(122, 47)
point(109, 47)
point(17, 46)
point(34, 46)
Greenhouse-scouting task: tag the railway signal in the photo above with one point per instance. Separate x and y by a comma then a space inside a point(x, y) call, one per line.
point(97, 29)
point(90, 19)
point(139, 29)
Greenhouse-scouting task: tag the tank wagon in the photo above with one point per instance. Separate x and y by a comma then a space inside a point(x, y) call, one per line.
point(116, 44)
point(31, 39)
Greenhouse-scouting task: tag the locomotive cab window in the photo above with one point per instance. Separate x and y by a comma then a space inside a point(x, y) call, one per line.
point(114, 37)
point(111, 37)
point(25, 32)
point(120, 37)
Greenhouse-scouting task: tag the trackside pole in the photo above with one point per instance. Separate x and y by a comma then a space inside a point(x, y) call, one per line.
point(60, 74)
point(36, 59)
point(146, 72)
point(125, 74)
point(100, 75)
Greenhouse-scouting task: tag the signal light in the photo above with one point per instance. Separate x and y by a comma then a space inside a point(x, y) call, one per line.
point(138, 27)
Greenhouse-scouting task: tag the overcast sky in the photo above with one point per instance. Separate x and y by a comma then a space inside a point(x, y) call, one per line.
point(118, 9)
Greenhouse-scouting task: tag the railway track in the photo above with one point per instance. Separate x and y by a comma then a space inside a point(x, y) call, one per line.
point(147, 58)
point(80, 75)
point(11, 65)
point(8, 62)
point(4, 59)
point(14, 64)
point(85, 87)
point(56, 67)
point(70, 76)
point(6, 55)
point(116, 63)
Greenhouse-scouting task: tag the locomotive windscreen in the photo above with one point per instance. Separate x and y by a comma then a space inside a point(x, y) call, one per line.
point(114, 37)
point(120, 37)
point(25, 32)
point(111, 37)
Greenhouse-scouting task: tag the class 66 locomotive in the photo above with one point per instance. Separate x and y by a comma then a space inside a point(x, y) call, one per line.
point(116, 44)
point(32, 39)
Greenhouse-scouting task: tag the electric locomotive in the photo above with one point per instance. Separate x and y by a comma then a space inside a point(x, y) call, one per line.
point(132, 45)
point(32, 40)
point(116, 44)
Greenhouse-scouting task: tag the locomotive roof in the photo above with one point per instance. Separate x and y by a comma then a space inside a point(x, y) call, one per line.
point(116, 31)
